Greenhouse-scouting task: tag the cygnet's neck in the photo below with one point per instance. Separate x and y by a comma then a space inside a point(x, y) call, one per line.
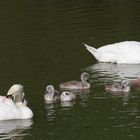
point(84, 81)
point(50, 94)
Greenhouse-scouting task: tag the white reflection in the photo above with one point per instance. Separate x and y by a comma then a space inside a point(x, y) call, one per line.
point(67, 103)
point(12, 129)
point(109, 71)
point(51, 112)
point(82, 96)
point(84, 99)
point(123, 96)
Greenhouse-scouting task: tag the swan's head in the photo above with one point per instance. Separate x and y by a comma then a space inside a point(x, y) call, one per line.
point(15, 89)
point(84, 76)
point(49, 88)
point(16, 92)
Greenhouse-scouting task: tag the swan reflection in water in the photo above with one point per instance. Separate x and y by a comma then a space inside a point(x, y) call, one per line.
point(67, 104)
point(124, 96)
point(14, 129)
point(102, 73)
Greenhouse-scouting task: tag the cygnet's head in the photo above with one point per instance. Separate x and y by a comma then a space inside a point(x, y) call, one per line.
point(125, 83)
point(50, 88)
point(65, 93)
point(67, 96)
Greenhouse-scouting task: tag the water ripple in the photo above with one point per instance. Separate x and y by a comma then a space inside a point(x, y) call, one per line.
point(14, 129)
point(104, 73)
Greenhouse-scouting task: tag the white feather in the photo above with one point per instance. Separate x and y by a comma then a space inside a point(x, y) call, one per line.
point(123, 52)
point(14, 110)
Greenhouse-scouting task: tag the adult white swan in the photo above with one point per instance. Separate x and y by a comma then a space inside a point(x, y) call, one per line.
point(123, 52)
point(12, 105)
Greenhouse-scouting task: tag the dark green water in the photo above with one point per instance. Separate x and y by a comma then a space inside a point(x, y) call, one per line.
point(41, 43)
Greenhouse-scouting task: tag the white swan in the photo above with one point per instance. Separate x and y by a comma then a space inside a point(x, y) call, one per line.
point(51, 94)
point(123, 52)
point(77, 85)
point(67, 96)
point(12, 106)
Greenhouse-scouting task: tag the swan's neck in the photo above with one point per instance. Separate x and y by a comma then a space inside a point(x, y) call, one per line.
point(19, 104)
point(50, 95)
point(18, 98)
point(84, 81)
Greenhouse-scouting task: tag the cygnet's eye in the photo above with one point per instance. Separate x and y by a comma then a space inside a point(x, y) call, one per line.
point(67, 93)
point(48, 88)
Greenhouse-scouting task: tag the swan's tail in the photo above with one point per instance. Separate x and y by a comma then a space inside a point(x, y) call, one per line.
point(90, 49)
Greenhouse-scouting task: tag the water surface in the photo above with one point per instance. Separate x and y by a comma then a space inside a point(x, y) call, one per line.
point(42, 43)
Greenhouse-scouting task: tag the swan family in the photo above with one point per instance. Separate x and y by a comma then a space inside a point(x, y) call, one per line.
point(67, 89)
point(14, 106)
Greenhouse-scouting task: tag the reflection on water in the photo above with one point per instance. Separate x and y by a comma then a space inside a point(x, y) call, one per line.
point(67, 104)
point(82, 98)
point(107, 72)
point(51, 112)
point(41, 42)
point(126, 119)
point(14, 129)
point(121, 109)
point(123, 96)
